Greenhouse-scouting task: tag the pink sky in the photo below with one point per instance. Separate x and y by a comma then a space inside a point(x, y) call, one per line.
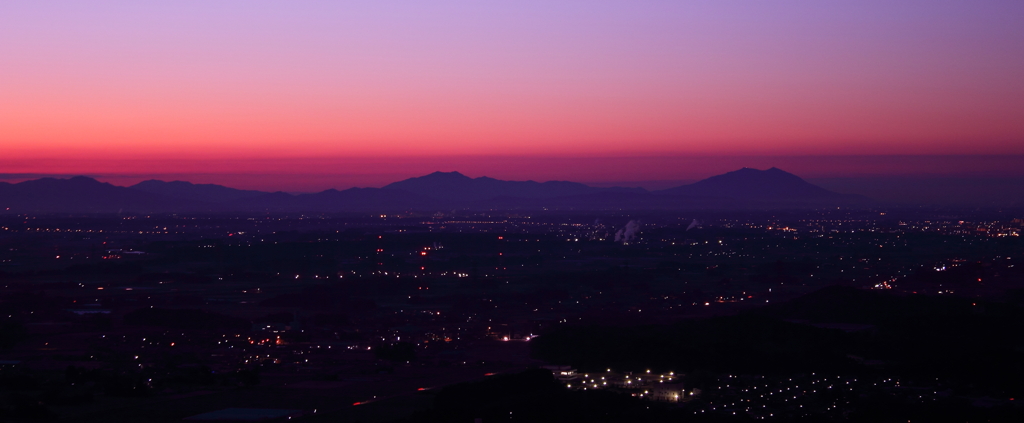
point(304, 95)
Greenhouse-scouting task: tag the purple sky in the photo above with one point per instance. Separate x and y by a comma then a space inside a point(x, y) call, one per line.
point(222, 88)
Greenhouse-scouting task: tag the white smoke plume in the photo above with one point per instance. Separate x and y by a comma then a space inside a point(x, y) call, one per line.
point(629, 232)
point(694, 224)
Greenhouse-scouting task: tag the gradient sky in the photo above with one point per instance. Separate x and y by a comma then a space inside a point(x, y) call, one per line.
point(307, 95)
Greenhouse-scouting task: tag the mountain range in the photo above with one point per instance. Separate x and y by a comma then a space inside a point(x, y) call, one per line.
point(437, 191)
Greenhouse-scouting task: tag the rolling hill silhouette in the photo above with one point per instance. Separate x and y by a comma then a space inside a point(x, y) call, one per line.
point(763, 185)
point(82, 194)
point(195, 192)
point(436, 191)
point(459, 187)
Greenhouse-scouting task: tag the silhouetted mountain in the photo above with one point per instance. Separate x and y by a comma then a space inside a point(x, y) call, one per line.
point(84, 195)
point(748, 184)
point(196, 192)
point(458, 187)
point(439, 190)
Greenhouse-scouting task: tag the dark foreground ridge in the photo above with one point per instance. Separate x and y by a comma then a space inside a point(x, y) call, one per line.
point(744, 188)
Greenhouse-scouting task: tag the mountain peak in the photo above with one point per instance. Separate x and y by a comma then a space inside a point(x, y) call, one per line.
point(81, 194)
point(446, 175)
point(458, 187)
point(750, 174)
point(753, 171)
point(437, 190)
point(83, 179)
point(195, 192)
point(75, 181)
point(755, 184)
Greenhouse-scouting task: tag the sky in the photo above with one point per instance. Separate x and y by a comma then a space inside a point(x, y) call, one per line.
point(308, 95)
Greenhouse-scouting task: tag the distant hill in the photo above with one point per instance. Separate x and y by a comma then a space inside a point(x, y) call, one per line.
point(759, 185)
point(84, 195)
point(459, 187)
point(436, 191)
point(196, 192)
